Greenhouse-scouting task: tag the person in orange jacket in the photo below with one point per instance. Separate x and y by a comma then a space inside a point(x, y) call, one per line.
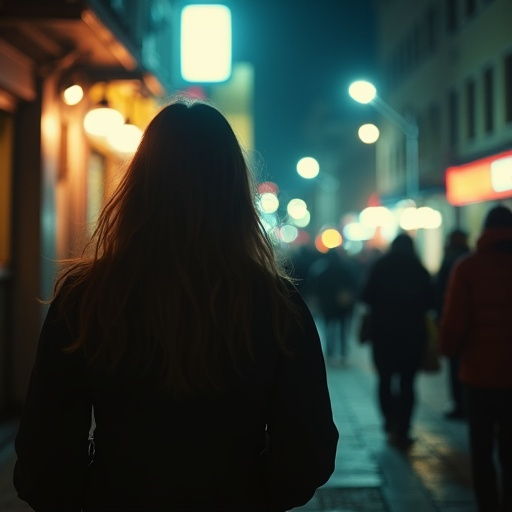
point(476, 325)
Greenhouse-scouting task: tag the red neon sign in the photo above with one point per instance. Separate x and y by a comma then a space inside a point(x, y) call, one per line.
point(481, 180)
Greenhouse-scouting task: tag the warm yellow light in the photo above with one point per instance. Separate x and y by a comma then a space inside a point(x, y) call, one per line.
point(102, 121)
point(73, 95)
point(331, 238)
point(308, 167)
point(205, 43)
point(125, 139)
point(362, 91)
point(368, 133)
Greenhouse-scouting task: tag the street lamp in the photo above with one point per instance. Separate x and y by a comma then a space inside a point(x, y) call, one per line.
point(365, 92)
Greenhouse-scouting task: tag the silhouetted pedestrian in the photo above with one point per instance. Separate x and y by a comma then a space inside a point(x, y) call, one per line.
point(476, 325)
point(456, 246)
point(201, 360)
point(333, 283)
point(399, 292)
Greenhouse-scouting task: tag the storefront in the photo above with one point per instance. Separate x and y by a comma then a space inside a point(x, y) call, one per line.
point(473, 186)
point(53, 176)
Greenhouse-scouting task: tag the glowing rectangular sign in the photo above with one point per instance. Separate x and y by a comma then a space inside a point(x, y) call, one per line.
point(482, 180)
point(205, 43)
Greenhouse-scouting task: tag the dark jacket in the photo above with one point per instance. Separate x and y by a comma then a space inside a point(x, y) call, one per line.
point(399, 292)
point(333, 282)
point(476, 323)
point(265, 443)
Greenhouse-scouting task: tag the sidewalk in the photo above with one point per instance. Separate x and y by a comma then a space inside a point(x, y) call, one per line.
point(370, 475)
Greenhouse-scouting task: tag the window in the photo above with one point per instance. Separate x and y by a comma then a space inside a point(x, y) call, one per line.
point(489, 100)
point(451, 15)
point(431, 29)
point(470, 7)
point(508, 88)
point(470, 108)
point(453, 119)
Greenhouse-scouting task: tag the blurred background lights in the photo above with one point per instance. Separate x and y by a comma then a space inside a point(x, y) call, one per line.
point(73, 95)
point(268, 186)
point(409, 220)
point(126, 139)
point(205, 43)
point(308, 167)
point(362, 91)
point(269, 203)
point(428, 218)
point(331, 238)
point(368, 133)
point(102, 121)
point(288, 233)
point(303, 221)
point(296, 208)
point(356, 231)
point(374, 216)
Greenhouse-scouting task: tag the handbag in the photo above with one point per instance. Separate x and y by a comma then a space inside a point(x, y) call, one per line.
point(430, 362)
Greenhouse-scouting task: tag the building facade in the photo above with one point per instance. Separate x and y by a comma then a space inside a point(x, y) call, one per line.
point(53, 178)
point(448, 65)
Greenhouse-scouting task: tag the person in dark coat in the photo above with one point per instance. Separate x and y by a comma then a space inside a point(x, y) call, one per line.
point(333, 284)
point(399, 292)
point(197, 356)
point(456, 247)
point(476, 325)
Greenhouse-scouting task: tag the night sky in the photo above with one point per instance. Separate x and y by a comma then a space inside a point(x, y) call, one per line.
point(303, 51)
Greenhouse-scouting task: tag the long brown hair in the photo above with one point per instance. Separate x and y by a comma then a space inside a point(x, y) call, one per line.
point(176, 255)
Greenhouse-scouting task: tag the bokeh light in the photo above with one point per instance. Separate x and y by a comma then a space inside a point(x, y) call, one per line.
point(296, 208)
point(331, 238)
point(368, 133)
point(308, 167)
point(269, 203)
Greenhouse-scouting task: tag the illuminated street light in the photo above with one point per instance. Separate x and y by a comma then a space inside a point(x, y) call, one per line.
point(368, 133)
point(365, 92)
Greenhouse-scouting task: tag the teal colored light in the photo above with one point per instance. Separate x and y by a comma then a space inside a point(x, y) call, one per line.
point(205, 45)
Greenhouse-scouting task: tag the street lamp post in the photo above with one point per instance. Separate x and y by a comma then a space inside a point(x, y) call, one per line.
point(364, 92)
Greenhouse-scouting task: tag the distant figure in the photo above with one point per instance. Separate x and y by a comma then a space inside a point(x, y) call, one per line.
point(333, 283)
point(201, 361)
point(399, 292)
point(476, 325)
point(456, 247)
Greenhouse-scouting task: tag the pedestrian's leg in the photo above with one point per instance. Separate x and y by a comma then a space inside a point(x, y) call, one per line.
point(330, 326)
point(343, 336)
point(386, 399)
point(406, 400)
point(458, 405)
point(481, 441)
point(505, 448)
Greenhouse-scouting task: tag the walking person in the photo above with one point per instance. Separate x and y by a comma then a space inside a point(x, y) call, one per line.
point(456, 247)
point(476, 325)
point(333, 284)
point(200, 360)
point(399, 293)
